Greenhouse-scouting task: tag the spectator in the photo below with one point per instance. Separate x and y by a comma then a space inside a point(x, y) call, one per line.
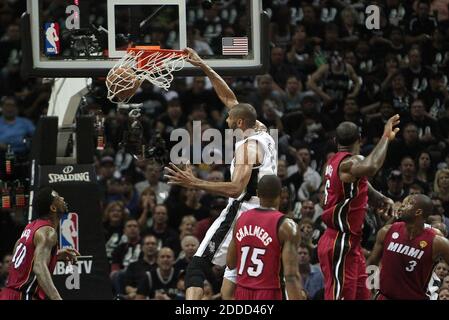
point(147, 204)
point(172, 119)
point(189, 245)
point(428, 130)
point(442, 270)
point(395, 186)
point(125, 192)
point(409, 146)
point(441, 188)
point(136, 271)
point(14, 129)
point(398, 95)
point(443, 294)
point(286, 202)
point(160, 284)
point(421, 26)
point(311, 179)
point(279, 70)
point(435, 96)
point(293, 94)
point(106, 178)
point(300, 54)
point(4, 267)
point(113, 225)
point(167, 236)
point(417, 76)
point(408, 170)
point(336, 78)
point(265, 90)
point(125, 254)
point(425, 173)
point(308, 211)
point(153, 175)
point(311, 276)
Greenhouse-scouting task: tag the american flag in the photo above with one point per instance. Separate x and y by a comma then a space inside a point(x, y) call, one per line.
point(235, 46)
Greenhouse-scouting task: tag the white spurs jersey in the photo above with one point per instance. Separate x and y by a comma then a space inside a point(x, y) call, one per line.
point(267, 166)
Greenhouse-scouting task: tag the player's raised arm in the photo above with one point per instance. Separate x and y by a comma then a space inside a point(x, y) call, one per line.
point(289, 236)
point(357, 166)
point(45, 239)
point(376, 253)
point(222, 89)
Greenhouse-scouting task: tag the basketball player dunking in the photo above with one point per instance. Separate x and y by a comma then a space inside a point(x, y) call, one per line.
point(263, 238)
point(36, 253)
point(409, 251)
point(347, 194)
point(255, 156)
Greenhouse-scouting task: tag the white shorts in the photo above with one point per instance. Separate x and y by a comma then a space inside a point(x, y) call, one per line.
point(214, 246)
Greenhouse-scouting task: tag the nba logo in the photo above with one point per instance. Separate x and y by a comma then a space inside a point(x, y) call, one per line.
point(52, 44)
point(68, 231)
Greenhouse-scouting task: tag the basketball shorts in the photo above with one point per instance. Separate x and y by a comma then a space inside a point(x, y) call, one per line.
point(9, 294)
point(242, 293)
point(343, 266)
point(214, 246)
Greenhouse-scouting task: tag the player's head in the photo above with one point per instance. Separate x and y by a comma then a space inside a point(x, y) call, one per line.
point(348, 135)
point(242, 116)
point(417, 207)
point(269, 191)
point(48, 203)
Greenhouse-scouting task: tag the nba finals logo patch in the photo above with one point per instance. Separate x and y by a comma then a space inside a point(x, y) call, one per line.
point(52, 43)
point(68, 231)
point(423, 244)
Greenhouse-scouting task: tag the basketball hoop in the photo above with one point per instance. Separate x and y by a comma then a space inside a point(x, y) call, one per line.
point(140, 63)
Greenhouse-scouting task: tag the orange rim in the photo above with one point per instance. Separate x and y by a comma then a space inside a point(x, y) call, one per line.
point(154, 49)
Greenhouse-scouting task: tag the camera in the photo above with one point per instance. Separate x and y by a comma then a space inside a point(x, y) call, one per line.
point(133, 140)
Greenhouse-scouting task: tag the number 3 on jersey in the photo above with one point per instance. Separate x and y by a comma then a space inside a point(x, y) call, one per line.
point(412, 266)
point(257, 265)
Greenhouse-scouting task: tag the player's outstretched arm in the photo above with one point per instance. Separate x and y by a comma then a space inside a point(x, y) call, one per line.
point(376, 253)
point(246, 157)
point(222, 89)
point(44, 240)
point(357, 166)
point(290, 237)
point(440, 248)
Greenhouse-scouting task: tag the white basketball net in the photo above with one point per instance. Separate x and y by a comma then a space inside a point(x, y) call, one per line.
point(139, 65)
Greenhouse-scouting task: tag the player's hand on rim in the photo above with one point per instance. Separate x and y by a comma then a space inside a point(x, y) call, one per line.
point(390, 131)
point(177, 176)
point(193, 57)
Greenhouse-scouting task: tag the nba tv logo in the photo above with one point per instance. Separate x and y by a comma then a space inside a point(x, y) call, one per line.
point(52, 43)
point(68, 231)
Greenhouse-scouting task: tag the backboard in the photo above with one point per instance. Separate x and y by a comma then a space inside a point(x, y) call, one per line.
point(85, 38)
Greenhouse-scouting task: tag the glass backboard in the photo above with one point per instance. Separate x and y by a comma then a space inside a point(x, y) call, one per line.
point(85, 38)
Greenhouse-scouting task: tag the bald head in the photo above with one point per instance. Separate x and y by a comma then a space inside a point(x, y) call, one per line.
point(347, 134)
point(246, 112)
point(424, 203)
point(269, 187)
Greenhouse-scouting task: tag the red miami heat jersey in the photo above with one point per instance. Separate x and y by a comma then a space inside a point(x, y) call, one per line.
point(258, 249)
point(345, 204)
point(406, 264)
point(21, 277)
